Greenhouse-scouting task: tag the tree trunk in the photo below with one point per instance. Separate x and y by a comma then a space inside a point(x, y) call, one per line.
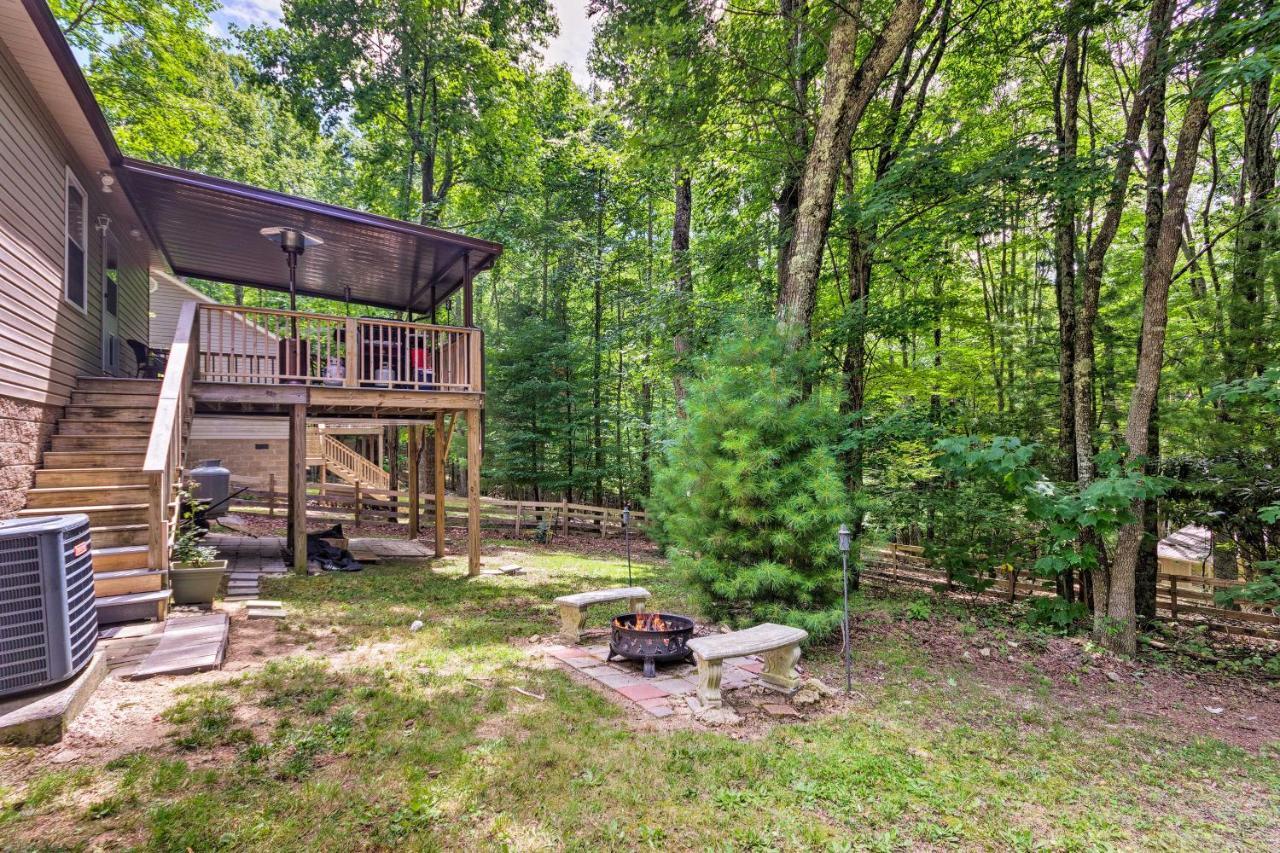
point(597, 320)
point(1118, 632)
point(1066, 125)
point(847, 90)
point(683, 282)
point(1091, 284)
point(793, 12)
point(1246, 351)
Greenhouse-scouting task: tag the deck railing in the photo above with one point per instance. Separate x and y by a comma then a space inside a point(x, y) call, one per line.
point(265, 346)
point(168, 441)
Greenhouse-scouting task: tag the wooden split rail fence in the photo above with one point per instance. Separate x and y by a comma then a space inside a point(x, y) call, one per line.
point(1178, 597)
point(358, 504)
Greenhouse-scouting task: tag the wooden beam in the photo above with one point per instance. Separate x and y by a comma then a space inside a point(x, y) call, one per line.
point(473, 491)
point(468, 300)
point(448, 434)
point(438, 465)
point(298, 486)
point(414, 508)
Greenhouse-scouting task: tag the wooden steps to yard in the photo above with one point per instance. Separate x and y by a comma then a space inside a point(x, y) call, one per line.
point(83, 460)
point(94, 467)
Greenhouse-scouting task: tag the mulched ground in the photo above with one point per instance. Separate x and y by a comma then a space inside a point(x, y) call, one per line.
point(456, 537)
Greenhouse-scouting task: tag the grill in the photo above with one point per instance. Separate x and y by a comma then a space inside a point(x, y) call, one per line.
point(650, 637)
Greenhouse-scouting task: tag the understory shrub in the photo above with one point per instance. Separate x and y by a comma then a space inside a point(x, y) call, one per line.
point(748, 494)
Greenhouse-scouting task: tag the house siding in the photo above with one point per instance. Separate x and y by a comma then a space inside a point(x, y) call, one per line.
point(166, 304)
point(46, 342)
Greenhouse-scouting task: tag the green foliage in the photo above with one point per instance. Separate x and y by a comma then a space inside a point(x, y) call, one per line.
point(748, 494)
point(1054, 516)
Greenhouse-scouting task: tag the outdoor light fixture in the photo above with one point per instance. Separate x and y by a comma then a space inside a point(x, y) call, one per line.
point(626, 535)
point(846, 539)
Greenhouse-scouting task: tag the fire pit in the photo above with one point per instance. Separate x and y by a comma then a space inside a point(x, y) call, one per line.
point(650, 637)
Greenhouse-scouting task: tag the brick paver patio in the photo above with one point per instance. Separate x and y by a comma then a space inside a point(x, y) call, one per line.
point(674, 689)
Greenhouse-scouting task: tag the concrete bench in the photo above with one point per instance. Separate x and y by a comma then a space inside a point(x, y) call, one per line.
point(573, 608)
point(779, 644)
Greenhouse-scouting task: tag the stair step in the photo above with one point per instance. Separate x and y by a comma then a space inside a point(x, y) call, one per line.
point(133, 606)
point(77, 426)
point(120, 557)
point(118, 384)
point(52, 478)
point(112, 414)
point(128, 582)
point(113, 398)
point(84, 459)
point(98, 515)
point(71, 496)
point(118, 535)
point(100, 442)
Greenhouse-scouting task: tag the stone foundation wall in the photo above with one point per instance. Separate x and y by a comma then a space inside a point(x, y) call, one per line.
point(25, 428)
point(247, 459)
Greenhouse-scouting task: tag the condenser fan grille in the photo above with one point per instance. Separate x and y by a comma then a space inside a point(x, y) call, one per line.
point(24, 647)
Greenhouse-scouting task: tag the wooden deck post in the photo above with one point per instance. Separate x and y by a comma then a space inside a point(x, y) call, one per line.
point(473, 491)
point(271, 495)
point(298, 486)
point(414, 445)
point(438, 465)
point(355, 511)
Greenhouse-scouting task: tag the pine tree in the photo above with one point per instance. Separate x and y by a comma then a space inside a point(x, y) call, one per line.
point(749, 494)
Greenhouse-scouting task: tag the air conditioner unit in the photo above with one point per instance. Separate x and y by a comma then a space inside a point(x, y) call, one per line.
point(48, 624)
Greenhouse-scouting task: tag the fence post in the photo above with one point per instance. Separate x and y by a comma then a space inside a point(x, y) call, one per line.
point(271, 495)
point(564, 517)
point(356, 510)
point(518, 519)
point(604, 518)
point(1173, 598)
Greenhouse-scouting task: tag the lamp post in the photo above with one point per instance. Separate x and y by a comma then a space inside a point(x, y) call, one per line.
point(845, 540)
point(626, 535)
point(294, 355)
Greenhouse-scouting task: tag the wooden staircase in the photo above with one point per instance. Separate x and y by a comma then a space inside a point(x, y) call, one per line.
point(346, 464)
point(95, 467)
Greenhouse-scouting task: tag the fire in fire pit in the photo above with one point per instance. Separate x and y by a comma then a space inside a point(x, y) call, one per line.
point(650, 637)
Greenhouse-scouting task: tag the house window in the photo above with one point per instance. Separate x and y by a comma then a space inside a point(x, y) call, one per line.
point(75, 277)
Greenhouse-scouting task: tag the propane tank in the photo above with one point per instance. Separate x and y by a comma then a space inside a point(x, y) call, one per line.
point(213, 485)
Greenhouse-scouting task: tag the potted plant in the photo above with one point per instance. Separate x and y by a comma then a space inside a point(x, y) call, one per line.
point(194, 568)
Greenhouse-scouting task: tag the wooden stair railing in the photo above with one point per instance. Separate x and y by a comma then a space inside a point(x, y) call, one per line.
point(167, 445)
point(352, 466)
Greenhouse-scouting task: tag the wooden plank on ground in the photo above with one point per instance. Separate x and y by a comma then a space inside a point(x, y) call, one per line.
point(191, 644)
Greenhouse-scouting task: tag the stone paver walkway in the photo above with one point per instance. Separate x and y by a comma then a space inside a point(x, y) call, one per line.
point(672, 691)
point(249, 559)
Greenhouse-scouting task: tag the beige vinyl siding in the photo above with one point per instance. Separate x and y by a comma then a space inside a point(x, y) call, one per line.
point(239, 427)
point(46, 342)
point(166, 303)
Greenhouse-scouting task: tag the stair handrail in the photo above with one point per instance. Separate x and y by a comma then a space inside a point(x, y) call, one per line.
point(363, 468)
point(163, 464)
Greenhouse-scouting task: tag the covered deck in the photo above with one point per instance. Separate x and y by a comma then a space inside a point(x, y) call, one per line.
point(306, 365)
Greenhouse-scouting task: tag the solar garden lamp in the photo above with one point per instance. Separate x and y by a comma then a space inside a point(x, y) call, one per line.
point(846, 539)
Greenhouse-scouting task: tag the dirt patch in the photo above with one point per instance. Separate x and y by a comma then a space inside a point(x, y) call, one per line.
point(1191, 701)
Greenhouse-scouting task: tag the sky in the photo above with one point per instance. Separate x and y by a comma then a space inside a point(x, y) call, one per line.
point(570, 47)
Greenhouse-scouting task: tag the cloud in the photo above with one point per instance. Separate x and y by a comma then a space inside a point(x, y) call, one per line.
point(573, 43)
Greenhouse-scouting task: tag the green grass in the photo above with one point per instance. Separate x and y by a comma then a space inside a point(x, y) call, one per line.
point(417, 741)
